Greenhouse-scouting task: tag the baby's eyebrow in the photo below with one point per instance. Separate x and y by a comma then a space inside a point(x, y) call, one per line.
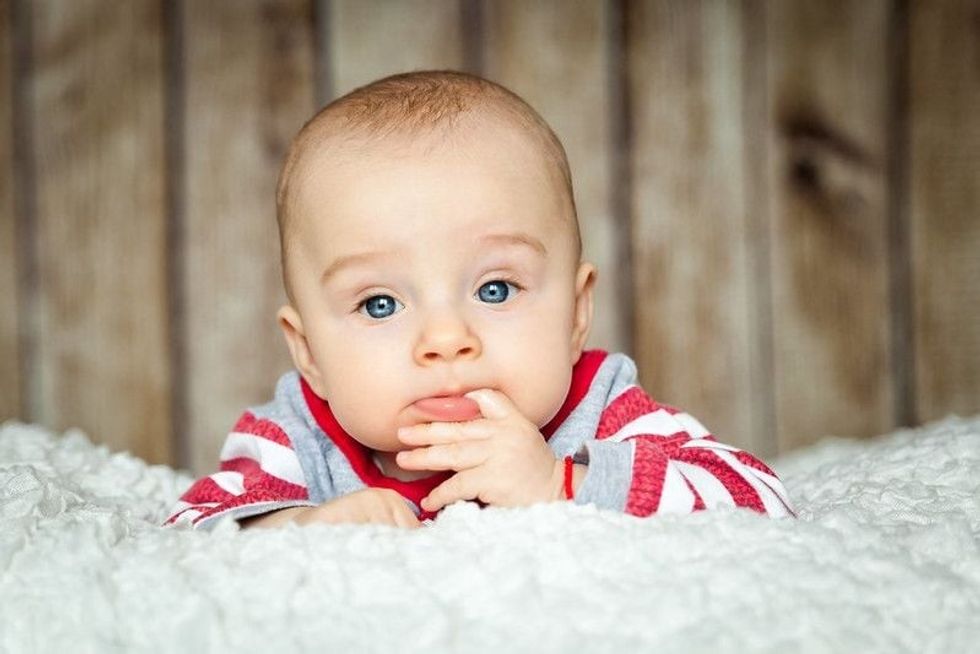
point(516, 238)
point(361, 258)
point(349, 260)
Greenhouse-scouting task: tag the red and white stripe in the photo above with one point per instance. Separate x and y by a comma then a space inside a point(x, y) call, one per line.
point(701, 477)
point(274, 459)
point(769, 489)
point(258, 465)
point(678, 466)
point(710, 489)
point(634, 413)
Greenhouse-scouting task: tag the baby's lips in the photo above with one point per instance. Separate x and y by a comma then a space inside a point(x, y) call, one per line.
point(448, 409)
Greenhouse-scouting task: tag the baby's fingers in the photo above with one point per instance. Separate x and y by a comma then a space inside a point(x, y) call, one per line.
point(405, 519)
point(441, 433)
point(392, 509)
point(452, 456)
point(494, 405)
point(461, 486)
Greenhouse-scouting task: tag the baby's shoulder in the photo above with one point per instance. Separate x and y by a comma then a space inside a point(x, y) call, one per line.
point(615, 374)
point(286, 413)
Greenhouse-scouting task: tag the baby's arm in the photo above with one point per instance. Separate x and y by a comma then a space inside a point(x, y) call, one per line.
point(259, 473)
point(261, 483)
point(650, 458)
point(371, 505)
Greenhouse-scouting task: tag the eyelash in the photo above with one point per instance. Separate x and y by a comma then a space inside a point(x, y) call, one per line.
point(507, 279)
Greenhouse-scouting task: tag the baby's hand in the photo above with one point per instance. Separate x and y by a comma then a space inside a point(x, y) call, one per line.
point(372, 505)
point(501, 459)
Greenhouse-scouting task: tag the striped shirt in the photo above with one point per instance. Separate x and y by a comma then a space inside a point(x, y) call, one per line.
point(643, 457)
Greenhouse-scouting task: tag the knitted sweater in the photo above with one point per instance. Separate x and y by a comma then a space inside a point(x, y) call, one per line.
point(643, 457)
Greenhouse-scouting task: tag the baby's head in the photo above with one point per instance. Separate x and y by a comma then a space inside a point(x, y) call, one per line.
point(430, 247)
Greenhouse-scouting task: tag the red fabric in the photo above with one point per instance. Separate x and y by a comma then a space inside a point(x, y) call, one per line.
point(737, 486)
point(647, 485)
point(254, 496)
point(752, 462)
point(249, 424)
point(204, 491)
point(626, 408)
point(255, 477)
point(259, 486)
point(655, 452)
point(748, 460)
point(698, 500)
point(650, 469)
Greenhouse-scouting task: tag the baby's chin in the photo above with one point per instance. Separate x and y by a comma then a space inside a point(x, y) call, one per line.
point(388, 445)
point(544, 417)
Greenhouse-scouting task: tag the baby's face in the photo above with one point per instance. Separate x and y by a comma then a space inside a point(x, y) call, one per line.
point(434, 270)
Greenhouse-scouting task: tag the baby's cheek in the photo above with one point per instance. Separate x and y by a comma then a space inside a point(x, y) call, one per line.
point(543, 393)
point(352, 411)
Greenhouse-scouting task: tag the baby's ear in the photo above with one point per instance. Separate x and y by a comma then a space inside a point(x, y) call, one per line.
point(582, 320)
point(299, 348)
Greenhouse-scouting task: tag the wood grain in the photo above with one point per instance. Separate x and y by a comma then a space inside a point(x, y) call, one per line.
point(249, 88)
point(99, 139)
point(696, 310)
point(10, 384)
point(945, 201)
point(829, 119)
point(553, 53)
point(370, 39)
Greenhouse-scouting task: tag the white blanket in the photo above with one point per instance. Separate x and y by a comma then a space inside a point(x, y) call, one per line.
point(884, 558)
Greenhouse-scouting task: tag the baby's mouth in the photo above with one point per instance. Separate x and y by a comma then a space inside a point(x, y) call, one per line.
point(449, 408)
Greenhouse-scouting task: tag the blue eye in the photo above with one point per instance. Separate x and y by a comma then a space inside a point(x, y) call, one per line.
point(379, 306)
point(495, 292)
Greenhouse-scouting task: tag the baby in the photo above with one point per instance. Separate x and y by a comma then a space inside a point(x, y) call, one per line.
point(438, 311)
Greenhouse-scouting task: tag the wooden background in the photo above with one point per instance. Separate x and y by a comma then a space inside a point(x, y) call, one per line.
point(781, 196)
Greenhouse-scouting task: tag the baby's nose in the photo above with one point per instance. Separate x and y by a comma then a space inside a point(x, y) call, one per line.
point(446, 338)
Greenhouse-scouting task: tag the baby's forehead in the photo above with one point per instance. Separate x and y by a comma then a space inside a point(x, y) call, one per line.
point(450, 197)
point(339, 148)
point(346, 154)
point(342, 144)
point(482, 172)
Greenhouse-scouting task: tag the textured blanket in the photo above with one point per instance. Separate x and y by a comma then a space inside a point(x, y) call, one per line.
point(885, 557)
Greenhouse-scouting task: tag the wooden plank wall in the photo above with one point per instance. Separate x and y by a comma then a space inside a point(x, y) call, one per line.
point(781, 197)
point(828, 117)
point(695, 309)
point(10, 349)
point(944, 204)
point(96, 123)
point(246, 71)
